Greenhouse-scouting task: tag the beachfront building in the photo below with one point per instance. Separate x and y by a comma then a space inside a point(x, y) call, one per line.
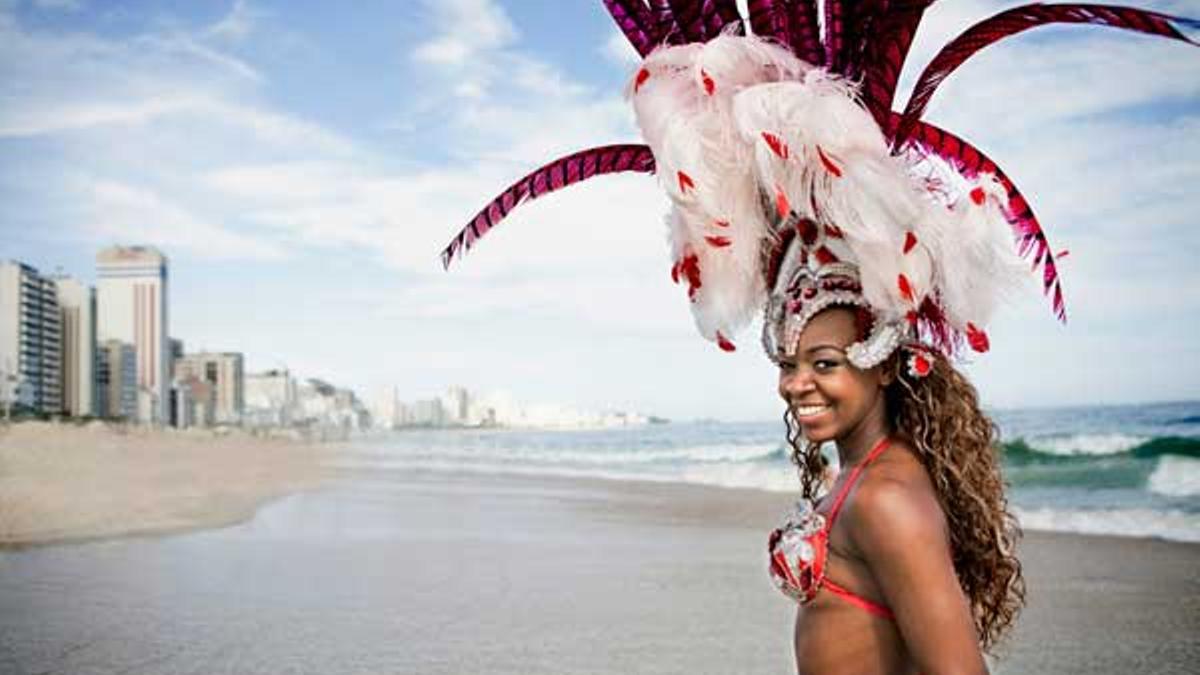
point(132, 304)
point(30, 340)
point(271, 399)
point(116, 380)
point(77, 314)
point(224, 375)
point(193, 402)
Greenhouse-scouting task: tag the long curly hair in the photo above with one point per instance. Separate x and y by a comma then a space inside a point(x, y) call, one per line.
point(939, 416)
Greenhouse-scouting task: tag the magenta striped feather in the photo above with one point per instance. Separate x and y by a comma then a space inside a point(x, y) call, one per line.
point(883, 57)
point(970, 162)
point(634, 19)
point(574, 168)
point(1020, 19)
point(769, 19)
point(805, 31)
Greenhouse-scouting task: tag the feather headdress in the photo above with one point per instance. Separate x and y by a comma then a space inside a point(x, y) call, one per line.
point(793, 183)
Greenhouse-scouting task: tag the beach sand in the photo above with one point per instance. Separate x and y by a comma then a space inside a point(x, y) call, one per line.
point(66, 482)
point(396, 570)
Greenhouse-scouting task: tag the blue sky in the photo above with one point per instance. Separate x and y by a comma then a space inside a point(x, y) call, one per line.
point(302, 165)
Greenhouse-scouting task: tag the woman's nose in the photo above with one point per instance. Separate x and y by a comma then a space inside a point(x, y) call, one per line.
point(794, 383)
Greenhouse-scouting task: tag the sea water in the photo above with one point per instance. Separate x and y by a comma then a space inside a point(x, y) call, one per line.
point(1117, 470)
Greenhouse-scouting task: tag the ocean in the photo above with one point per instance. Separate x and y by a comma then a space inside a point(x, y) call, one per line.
point(1116, 470)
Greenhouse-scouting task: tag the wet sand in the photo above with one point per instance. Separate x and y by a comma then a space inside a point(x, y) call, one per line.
point(62, 482)
point(420, 572)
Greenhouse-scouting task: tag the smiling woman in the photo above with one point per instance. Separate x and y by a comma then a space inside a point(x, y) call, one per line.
point(878, 245)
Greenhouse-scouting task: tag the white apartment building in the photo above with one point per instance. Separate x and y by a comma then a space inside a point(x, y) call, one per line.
point(30, 340)
point(77, 312)
point(271, 399)
point(224, 373)
point(132, 299)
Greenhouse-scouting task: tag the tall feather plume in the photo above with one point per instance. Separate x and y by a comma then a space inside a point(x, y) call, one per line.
point(835, 36)
point(717, 17)
point(634, 19)
point(769, 20)
point(669, 31)
point(1020, 19)
point(804, 31)
point(970, 162)
point(687, 17)
point(574, 168)
point(860, 21)
point(885, 52)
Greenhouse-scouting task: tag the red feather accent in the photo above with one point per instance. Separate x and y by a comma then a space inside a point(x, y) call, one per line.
point(1062, 254)
point(685, 182)
point(642, 76)
point(675, 271)
point(834, 232)
point(977, 196)
point(724, 343)
point(977, 338)
point(782, 206)
point(709, 85)
point(776, 144)
point(825, 256)
point(560, 173)
point(911, 317)
point(829, 165)
point(906, 290)
point(910, 240)
point(718, 242)
point(689, 267)
point(1017, 20)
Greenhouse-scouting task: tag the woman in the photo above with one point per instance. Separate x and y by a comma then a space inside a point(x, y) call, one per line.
point(879, 246)
point(921, 555)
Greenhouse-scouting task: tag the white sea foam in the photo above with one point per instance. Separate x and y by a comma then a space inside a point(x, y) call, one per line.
point(1175, 525)
point(1176, 476)
point(1086, 444)
point(733, 452)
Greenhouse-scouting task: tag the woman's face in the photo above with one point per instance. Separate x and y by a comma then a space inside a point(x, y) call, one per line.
point(828, 396)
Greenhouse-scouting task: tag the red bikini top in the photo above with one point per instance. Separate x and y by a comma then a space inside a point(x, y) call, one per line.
point(799, 550)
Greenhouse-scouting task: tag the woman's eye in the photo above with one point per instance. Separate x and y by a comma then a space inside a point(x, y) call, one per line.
point(824, 364)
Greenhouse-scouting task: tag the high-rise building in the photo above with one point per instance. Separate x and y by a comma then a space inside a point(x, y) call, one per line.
point(116, 366)
point(77, 311)
point(30, 340)
point(132, 303)
point(224, 373)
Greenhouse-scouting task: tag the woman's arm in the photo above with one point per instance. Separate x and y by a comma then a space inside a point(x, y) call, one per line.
point(900, 531)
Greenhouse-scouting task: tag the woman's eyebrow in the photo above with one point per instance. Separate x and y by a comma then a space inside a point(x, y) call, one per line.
point(817, 348)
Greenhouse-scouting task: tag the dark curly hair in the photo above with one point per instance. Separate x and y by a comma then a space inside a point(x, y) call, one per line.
point(939, 416)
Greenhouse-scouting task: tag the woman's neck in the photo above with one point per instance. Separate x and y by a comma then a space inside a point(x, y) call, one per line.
point(855, 445)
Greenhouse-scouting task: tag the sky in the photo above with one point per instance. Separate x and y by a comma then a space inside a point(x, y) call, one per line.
point(303, 164)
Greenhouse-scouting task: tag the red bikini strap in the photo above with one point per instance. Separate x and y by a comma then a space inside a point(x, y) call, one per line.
point(837, 505)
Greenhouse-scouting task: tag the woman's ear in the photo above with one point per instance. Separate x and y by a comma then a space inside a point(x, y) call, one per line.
point(888, 369)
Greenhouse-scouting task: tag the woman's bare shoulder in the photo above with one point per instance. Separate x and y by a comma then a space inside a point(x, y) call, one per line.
point(895, 500)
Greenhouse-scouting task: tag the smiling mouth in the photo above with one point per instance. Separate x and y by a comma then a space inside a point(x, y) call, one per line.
point(802, 411)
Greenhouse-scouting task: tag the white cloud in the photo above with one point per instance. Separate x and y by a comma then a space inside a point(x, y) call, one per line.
point(618, 50)
point(464, 31)
point(237, 24)
point(122, 213)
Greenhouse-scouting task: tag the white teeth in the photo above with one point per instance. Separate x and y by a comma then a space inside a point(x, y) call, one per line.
point(806, 410)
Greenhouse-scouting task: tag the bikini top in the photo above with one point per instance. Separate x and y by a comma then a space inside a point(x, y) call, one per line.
point(799, 550)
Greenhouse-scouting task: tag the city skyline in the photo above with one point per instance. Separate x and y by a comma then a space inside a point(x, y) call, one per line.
point(303, 167)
